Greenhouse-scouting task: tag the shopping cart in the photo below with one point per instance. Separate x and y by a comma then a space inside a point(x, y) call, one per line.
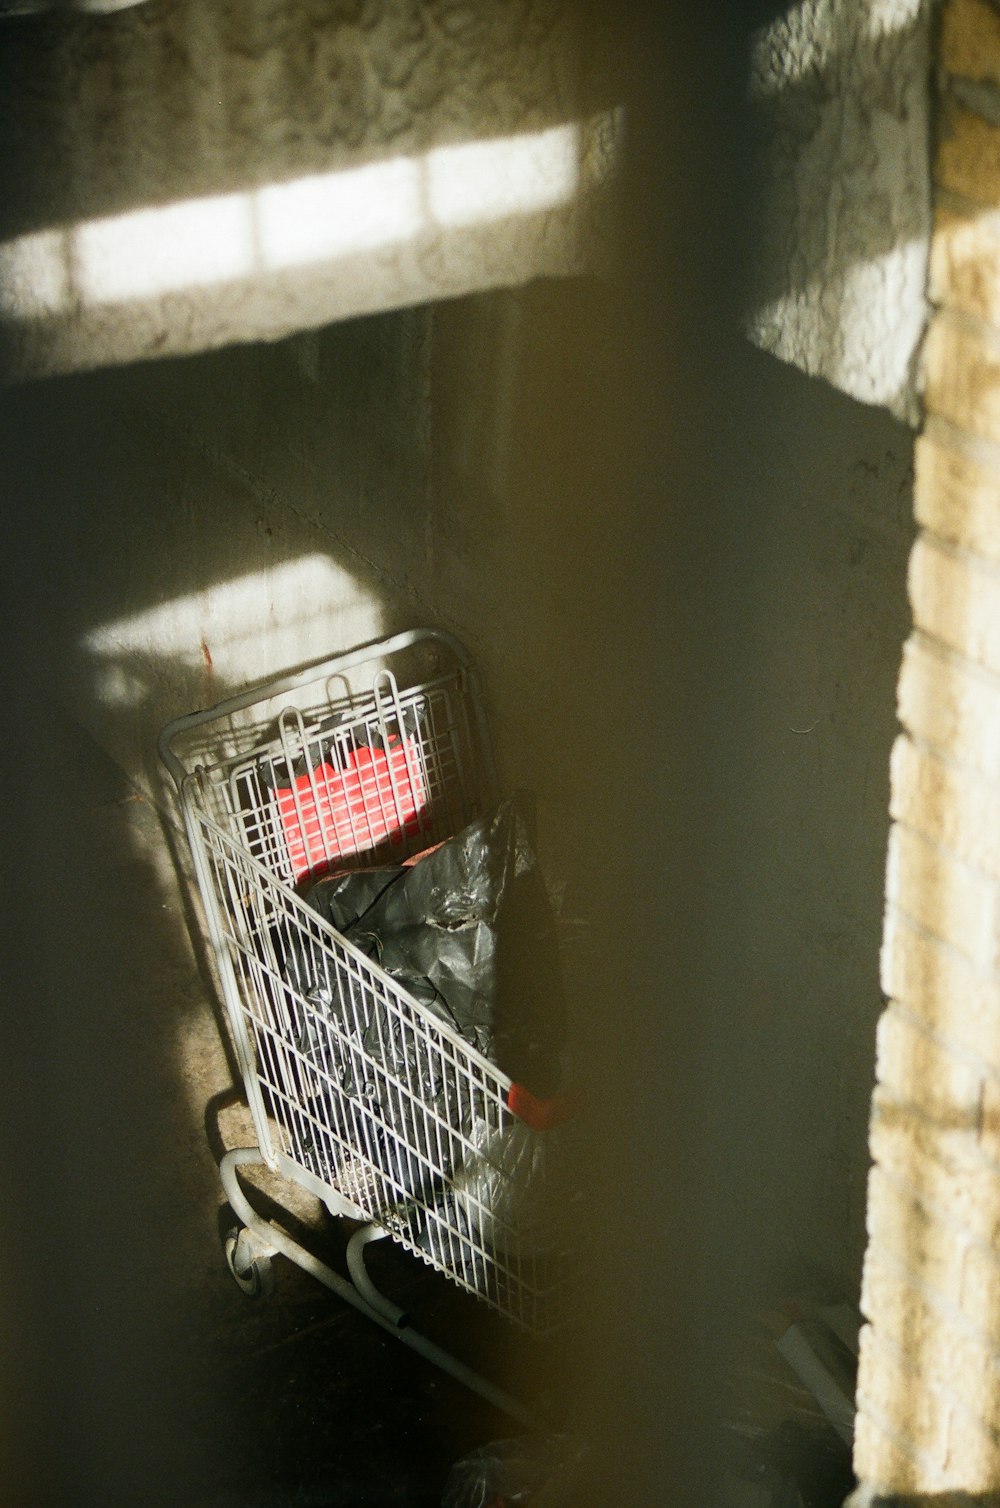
point(369, 758)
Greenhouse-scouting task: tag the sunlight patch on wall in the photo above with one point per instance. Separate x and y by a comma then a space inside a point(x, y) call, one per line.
point(308, 221)
point(233, 633)
point(268, 261)
point(858, 325)
point(151, 251)
point(34, 274)
point(333, 214)
point(488, 180)
point(806, 39)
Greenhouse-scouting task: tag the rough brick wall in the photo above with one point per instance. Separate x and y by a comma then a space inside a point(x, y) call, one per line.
point(929, 1383)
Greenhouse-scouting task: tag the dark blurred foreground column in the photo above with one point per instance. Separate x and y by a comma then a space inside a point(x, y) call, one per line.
point(665, 1278)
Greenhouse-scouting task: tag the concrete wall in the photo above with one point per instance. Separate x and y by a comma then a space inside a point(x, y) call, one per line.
point(181, 176)
point(841, 99)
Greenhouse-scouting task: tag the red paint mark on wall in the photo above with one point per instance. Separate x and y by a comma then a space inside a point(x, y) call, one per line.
point(206, 654)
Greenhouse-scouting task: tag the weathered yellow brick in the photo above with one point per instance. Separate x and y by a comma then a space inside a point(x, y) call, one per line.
point(956, 495)
point(980, 1287)
point(964, 266)
point(941, 987)
point(901, 1226)
point(961, 367)
point(969, 44)
point(941, 1162)
point(917, 1069)
point(968, 154)
point(958, 1450)
point(947, 804)
point(956, 598)
point(960, 1499)
point(933, 1341)
point(979, 1292)
point(916, 1413)
point(972, 1458)
point(944, 895)
point(989, 1117)
point(950, 704)
point(962, 1271)
point(888, 1466)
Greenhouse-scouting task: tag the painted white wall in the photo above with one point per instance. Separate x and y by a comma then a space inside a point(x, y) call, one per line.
point(841, 89)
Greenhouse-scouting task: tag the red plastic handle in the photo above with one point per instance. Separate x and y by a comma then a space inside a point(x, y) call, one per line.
point(540, 1115)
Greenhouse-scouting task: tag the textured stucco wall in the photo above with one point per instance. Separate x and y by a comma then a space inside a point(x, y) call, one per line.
point(841, 93)
point(180, 176)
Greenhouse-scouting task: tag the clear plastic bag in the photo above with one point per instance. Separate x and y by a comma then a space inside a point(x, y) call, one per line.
point(468, 930)
point(507, 1473)
point(504, 1190)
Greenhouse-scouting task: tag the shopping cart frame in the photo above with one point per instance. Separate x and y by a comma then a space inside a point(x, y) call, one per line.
point(250, 1248)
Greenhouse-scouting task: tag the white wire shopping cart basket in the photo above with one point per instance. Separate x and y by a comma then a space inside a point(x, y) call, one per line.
point(368, 758)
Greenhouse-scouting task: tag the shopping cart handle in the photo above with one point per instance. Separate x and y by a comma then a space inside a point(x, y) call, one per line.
point(540, 1115)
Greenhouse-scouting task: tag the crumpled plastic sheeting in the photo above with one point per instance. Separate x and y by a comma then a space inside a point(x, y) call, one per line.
point(469, 932)
point(504, 1189)
point(506, 1473)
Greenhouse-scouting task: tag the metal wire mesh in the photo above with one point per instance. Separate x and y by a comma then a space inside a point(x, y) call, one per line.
point(358, 787)
point(364, 1088)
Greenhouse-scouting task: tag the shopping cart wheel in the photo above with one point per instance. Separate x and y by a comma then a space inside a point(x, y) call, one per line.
point(252, 1271)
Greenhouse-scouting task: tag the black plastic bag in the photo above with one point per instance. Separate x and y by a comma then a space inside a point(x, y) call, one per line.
point(469, 932)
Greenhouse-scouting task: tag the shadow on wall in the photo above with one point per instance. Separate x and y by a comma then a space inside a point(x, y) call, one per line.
point(178, 101)
point(144, 1363)
point(115, 1050)
point(206, 523)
